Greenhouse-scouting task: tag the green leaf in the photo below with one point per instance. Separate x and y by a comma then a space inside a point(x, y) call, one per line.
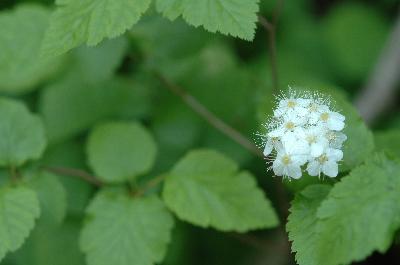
point(119, 151)
point(19, 207)
point(388, 141)
point(22, 134)
point(230, 17)
point(206, 189)
point(76, 22)
point(360, 215)
point(51, 195)
point(123, 230)
point(97, 64)
point(302, 222)
point(46, 242)
point(21, 33)
point(92, 103)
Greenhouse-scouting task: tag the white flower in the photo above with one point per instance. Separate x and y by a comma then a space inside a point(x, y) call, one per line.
point(315, 137)
point(304, 129)
point(333, 120)
point(335, 139)
point(271, 143)
point(289, 122)
point(289, 165)
point(325, 163)
point(296, 142)
point(292, 105)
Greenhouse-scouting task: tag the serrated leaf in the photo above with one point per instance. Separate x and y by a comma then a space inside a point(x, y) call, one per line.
point(302, 221)
point(120, 151)
point(206, 189)
point(52, 197)
point(230, 17)
point(19, 207)
point(123, 230)
point(76, 22)
point(22, 135)
point(21, 33)
point(360, 215)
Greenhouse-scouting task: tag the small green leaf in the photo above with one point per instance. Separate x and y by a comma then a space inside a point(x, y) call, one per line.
point(76, 22)
point(21, 33)
point(230, 17)
point(51, 195)
point(19, 207)
point(206, 189)
point(120, 151)
point(358, 216)
point(123, 230)
point(22, 134)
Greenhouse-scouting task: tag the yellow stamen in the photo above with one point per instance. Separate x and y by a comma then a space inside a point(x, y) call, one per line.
point(324, 116)
point(322, 159)
point(291, 104)
point(286, 160)
point(289, 125)
point(311, 139)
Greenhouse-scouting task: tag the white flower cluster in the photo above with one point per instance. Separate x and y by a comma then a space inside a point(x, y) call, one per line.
point(304, 130)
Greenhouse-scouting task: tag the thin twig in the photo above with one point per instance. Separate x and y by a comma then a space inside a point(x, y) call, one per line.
point(270, 29)
point(149, 185)
point(75, 173)
point(210, 117)
point(255, 242)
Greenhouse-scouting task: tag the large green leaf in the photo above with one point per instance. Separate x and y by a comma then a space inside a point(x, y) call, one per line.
point(76, 22)
point(123, 230)
point(302, 221)
point(231, 17)
point(388, 141)
point(120, 151)
point(206, 189)
point(22, 134)
point(19, 207)
point(46, 242)
point(91, 104)
point(21, 33)
point(358, 216)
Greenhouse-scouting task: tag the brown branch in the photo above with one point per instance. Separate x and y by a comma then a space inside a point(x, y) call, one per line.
point(210, 117)
point(270, 29)
point(149, 185)
point(75, 173)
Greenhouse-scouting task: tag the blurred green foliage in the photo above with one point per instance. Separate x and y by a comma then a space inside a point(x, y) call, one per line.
point(321, 45)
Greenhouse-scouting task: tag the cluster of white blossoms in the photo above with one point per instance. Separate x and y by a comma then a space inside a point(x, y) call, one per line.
point(304, 134)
